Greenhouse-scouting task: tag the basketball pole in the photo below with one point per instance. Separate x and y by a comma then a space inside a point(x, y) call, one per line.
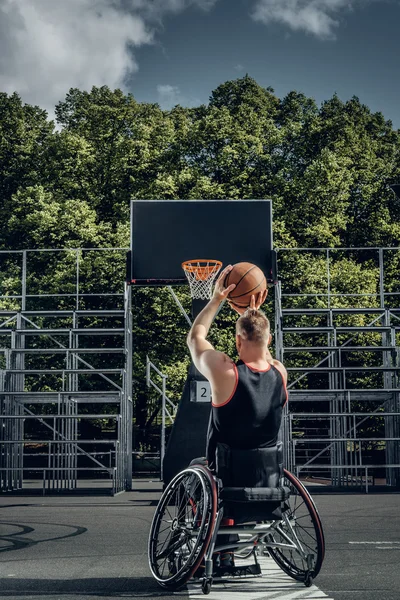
point(188, 436)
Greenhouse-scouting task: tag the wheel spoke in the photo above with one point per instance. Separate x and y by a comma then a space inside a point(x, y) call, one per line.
point(303, 529)
point(165, 541)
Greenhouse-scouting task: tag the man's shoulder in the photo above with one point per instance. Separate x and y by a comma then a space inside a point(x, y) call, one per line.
point(217, 363)
point(223, 376)
point(280, 367)
point(217, 359)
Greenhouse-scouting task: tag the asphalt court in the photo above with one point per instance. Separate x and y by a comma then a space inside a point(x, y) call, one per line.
point(95, 548)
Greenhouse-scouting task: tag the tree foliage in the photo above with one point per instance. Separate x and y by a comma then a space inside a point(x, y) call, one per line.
point(326, 169)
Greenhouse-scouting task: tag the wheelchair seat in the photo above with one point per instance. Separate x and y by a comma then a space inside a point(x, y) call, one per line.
point(251, 489)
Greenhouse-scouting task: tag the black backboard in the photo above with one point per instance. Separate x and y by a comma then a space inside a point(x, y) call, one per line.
point(164, 233)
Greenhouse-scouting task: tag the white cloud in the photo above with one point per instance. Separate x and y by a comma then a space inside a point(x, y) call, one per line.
point(49, 46)
point(171, 95)
point(157, 7)
point(317, 17)
point(239, 67)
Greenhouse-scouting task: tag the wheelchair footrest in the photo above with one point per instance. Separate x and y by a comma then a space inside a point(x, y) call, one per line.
point(237, 571)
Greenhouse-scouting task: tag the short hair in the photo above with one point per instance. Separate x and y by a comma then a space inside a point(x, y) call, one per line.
point(253, 326)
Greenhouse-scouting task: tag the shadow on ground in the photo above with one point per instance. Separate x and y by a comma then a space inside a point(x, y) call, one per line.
point(107, 586)
point(14, 535)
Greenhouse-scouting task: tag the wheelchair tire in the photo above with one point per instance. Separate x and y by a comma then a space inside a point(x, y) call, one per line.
point(182, 527)
point(303, 516)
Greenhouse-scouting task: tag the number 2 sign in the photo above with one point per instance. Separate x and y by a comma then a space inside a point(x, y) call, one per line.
point(203, 391)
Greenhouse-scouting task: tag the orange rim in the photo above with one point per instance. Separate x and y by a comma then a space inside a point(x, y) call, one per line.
point(202, 268)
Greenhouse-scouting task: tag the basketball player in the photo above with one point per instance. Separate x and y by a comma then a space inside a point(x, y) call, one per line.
point(247, 396)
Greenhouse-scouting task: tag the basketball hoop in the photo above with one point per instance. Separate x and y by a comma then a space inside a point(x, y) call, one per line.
point(201, 274)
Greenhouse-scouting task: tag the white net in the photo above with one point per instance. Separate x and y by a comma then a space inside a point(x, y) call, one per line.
point(201, 275)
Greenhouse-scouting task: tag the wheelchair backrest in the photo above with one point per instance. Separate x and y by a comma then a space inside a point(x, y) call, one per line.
point(257, 467)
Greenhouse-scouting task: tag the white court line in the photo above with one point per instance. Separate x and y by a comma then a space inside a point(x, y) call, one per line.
point(379, 545)
point(273, 584)
point(376, 543)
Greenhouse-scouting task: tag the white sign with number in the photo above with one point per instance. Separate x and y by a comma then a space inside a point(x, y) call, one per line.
point(203, 391)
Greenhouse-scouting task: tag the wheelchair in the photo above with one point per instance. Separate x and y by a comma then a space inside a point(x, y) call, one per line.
point(249, 497)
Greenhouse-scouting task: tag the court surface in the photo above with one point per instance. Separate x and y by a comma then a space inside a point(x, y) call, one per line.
point(95, 548)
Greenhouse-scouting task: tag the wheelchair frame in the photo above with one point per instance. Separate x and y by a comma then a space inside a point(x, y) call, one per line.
point(189, 517)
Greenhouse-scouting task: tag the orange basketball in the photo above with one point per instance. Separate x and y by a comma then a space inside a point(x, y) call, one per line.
point(249, 280)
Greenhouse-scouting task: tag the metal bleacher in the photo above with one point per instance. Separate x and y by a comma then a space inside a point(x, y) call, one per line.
point(66, 369)
point(342, 426)
point(65, 352)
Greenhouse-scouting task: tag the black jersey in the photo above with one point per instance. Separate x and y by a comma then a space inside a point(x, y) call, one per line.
point(252, 416)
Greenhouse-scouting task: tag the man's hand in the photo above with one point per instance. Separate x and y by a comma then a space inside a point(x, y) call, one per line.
point(220, 291)
point(255, 302)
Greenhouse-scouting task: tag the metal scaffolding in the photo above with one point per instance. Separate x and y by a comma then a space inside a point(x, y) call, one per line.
point(58, 336)
point(341, 350)
point(66, 365)
point(168, 408)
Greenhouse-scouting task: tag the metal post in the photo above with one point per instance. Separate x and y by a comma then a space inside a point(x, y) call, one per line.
point(163, 407)
point(127, 393)
point(77, 281)
point(147, 371)
point(328, 275)
point(24, 266)
point(381, 279)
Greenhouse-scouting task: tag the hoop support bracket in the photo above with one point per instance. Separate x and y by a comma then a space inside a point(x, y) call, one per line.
point(178, 302)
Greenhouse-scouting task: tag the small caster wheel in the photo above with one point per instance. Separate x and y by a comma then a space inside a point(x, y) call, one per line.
point(308, 579)
point(206, 586)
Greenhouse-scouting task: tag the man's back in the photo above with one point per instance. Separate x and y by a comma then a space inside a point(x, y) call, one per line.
point(251, 418)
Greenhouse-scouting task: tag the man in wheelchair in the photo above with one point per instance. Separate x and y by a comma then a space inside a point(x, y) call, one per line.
point(247, 398)
point(241, 488)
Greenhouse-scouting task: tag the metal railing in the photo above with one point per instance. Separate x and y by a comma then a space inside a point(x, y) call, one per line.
point(48, 305)
point(342, 354)
point(168, 408)
point(331, 316)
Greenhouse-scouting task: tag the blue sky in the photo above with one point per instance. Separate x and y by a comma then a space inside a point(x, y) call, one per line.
point(178, 51)
point(197, 51)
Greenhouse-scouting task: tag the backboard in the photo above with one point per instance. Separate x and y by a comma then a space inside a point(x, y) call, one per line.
point(164, 233)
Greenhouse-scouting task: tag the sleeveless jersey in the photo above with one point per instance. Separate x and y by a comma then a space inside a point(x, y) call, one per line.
point(251, 417)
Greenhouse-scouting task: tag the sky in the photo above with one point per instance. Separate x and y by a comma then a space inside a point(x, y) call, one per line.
point(178, 51)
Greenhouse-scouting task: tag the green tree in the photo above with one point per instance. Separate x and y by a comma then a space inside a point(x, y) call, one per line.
point(124, 140)
point(325, 168)
point(24, 135)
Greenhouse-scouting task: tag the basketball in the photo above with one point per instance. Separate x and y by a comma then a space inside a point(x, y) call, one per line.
point(249, 280)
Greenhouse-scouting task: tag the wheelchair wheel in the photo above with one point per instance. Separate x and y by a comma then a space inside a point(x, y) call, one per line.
point(182, 527)
point(301, 525)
